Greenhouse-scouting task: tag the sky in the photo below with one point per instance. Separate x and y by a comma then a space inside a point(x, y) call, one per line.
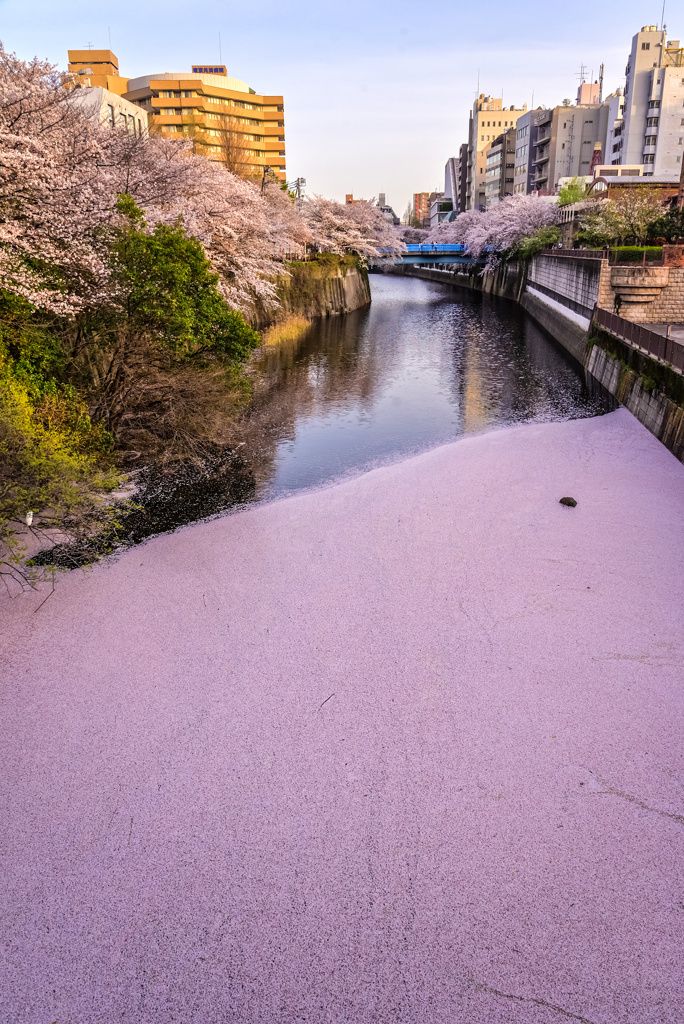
point(377, 93)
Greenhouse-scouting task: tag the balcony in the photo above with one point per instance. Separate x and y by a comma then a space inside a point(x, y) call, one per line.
point(543, 137)
point(649, 149)
point(540, 161)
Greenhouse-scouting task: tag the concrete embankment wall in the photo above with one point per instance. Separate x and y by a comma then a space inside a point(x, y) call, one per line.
point(322, 289)
point(560, 293)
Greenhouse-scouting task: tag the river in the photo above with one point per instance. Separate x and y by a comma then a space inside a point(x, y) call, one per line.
point(423, 365)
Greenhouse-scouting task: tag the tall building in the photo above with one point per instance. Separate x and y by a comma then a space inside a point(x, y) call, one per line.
point(653, 133)
point(110, 109)
point(500, 168)
point(100, 67)
point(225, 119)
point(487, 120)
point(567, 141)
point(421, 208)
point(387, 211)
point(456, 179)
point(614, 106)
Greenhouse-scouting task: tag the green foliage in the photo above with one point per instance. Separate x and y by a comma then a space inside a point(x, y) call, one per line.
point(169, 292)
point(635, 253)
point(664, 378)
point(574, 192)
point(541, 239)
point(669, 226)
point(626, 218)
point(159, 355)
point(52, 456)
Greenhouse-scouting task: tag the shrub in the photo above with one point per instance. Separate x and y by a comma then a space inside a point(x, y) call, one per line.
point(540, 240)
point(635, 253)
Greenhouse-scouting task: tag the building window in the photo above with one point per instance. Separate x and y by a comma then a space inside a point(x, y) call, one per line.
point(645, 46)
point(652, 121)
point(110, 114)
point(649, 158)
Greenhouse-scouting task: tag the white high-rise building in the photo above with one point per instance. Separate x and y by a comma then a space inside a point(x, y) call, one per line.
point(653, 133)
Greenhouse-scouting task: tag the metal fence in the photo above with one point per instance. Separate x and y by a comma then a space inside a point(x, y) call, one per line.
point(614, 256)
point(658, 345)
point(582, 254)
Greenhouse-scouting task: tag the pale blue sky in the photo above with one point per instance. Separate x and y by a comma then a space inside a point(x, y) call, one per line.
point(377, 92)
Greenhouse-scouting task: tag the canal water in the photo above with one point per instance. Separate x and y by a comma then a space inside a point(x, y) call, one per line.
point(424, 365)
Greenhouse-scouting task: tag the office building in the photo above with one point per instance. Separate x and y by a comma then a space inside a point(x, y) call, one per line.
point(567, 141)
point(487, 121)
point(387, 211)
point(421, 208)
point(500, 168)
point(653, 132)
point(456, 179)
point(224, 118)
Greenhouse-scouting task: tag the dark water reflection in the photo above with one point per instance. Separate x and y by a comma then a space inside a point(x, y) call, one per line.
point(422, 366)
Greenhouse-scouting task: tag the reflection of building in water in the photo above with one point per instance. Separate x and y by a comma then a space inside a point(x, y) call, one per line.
point(333, 363)
point(474, 408)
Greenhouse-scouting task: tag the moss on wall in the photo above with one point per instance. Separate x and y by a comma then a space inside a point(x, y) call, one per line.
point(652, 375)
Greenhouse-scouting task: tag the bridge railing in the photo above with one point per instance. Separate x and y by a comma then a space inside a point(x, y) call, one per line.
point(430, 247)
point(658, 345)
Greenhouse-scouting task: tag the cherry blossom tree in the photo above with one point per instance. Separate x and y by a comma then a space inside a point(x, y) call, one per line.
point(358, 228)
point(503, 227)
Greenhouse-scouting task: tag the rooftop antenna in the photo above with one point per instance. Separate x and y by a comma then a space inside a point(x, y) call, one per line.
point(220, 52)
point(582, 75)
point(90, 46)
point(601, 84)
point(662, 18)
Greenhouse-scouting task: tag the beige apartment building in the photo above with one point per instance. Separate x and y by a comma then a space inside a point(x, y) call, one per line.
point(488, 120)
point(224, 118)
point(500, 167)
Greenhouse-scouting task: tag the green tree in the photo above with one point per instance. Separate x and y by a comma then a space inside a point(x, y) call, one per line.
point(164, 312)
point(627, 218)
point(574, 192)
point(168, 293)
point(669, 226)
point(541, 239)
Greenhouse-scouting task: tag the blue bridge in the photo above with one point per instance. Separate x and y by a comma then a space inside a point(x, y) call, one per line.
point(436, 253)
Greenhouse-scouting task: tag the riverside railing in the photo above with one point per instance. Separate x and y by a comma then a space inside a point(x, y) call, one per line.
point(659, 345)
point(649, 257)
